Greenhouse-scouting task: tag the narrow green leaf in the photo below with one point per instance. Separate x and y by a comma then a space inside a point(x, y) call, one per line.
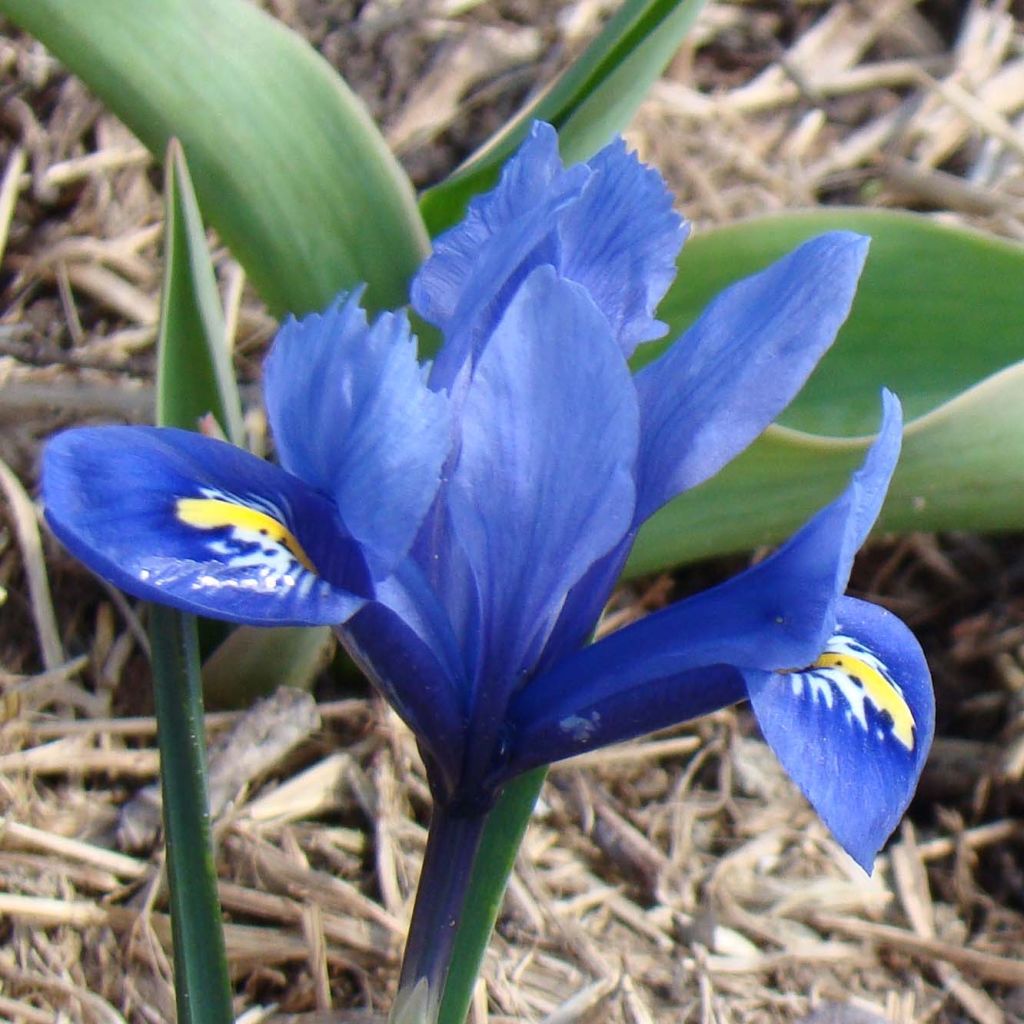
point(196, 377)
point(193, 364)
point(502, 836)
point(287, 164)
point(201, 985)
point(936, 319)
point(588, 103)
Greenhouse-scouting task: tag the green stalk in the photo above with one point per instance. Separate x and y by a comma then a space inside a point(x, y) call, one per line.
point(495, 856)
point(201, 982)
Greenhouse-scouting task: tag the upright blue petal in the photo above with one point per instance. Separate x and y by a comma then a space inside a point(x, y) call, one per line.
point(180, 519)
point(854, 727)
point(352, 415)
point(620, 241)
point(731, 374)
point(543, 486)
point(528, 181)
point(607, 225)
point(779, 613)
point(478, 266)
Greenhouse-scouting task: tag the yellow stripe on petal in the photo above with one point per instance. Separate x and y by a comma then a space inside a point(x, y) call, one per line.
point(879, 691)
point(849, 670)
point(216, 513)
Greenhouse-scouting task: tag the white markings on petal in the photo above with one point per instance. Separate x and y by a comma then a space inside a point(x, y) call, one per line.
point(250, 538)
point(871, 698)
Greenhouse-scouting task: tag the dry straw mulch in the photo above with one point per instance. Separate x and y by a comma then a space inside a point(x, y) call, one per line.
point(679, 878)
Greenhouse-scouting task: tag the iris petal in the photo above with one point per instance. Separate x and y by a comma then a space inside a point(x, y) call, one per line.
point(414, 677)
point(528, 181)
point(620, 241)
point(731, 374)
point(353, 417)
point(543, 486)
point(607, 225)
point(637, 704)
point(475, 269)
point(777, 614)
point(180, 519)
point(854, 727)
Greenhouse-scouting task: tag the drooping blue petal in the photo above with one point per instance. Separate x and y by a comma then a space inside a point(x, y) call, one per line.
point(637, 705)
point(608, 225)
point(173, 517)
point(854, 727)
point(777, 614)
point(732, 373)
point(620, 241)
point(543, 486)
point(352, 415)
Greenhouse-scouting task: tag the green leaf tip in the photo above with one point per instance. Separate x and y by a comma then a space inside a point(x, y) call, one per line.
point(194, 374)
point(592, 100)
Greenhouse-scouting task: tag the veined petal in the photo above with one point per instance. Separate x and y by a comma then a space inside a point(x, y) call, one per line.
point(533, 175)
point(854, 727)
point(353, 417)
point(477, 266)
point(180, 519)
point(731, 374)
point(639, 704)
point(777, 614)
point(607, 225)
point(620, 241)
point(543, 486)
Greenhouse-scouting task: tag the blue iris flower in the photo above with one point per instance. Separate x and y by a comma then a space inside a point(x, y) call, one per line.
point(461, 523)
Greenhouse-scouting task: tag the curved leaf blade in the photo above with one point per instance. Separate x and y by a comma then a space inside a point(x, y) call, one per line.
point(288, 165)
point(937, 310)
point(937, 319)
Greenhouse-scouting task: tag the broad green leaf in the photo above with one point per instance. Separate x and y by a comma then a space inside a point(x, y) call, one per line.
point(938, 319)
point(287, 164)
point(193, 361)
point(588, 103)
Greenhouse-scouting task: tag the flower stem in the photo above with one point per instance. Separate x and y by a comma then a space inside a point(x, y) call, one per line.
point(200, 965)
point(465, 870)
point(452, 845)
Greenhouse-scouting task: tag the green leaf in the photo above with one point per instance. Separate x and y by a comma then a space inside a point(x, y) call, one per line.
point(288, 166)
point(201, 986)
point(194, 377)
point(193, 360)
point(588, 103)
point(936, 319)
